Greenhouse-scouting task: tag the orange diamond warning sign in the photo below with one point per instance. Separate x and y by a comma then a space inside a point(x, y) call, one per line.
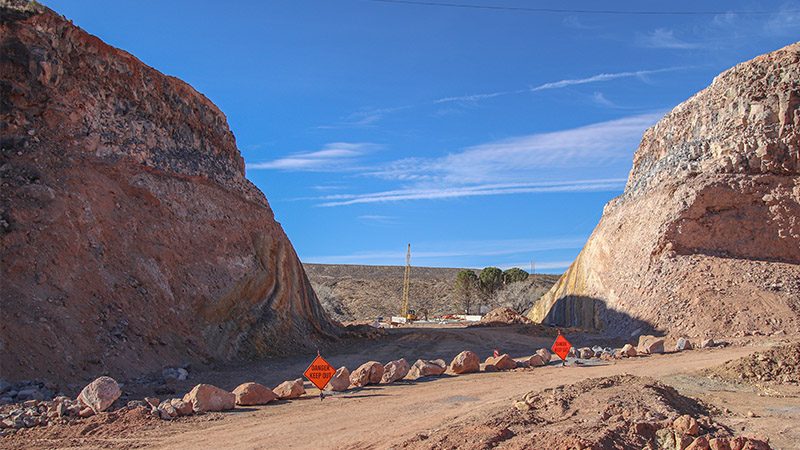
point(319, 372)
point(561, 347)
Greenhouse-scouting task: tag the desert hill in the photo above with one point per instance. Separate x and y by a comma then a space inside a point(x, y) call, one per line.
point(131, 238)
point(706, 236)
point(359, 292)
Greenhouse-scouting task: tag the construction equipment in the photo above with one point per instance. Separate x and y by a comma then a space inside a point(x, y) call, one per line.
point(409, 314)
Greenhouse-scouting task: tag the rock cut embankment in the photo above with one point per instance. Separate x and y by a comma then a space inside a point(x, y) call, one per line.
point(131, 239)
point(706, 236)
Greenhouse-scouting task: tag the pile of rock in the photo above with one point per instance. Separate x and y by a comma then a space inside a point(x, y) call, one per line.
point(96, 397)
point(25, 390)
point(32, 413)
point(504, 316)
point(686, 433)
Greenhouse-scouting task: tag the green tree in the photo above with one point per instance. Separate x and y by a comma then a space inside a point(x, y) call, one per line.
point(513, 275)
point(466, 289)
point(491, 280)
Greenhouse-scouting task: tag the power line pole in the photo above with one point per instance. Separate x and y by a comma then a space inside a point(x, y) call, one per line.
point(406, 283)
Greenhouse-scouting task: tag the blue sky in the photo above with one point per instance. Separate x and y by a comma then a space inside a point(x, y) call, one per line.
point(482, 137)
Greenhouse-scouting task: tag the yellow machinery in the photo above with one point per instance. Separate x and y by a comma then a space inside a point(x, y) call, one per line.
point(409, 314)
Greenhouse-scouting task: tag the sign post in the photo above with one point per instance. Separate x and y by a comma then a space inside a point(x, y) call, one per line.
point(319, 372)
point(561, 348)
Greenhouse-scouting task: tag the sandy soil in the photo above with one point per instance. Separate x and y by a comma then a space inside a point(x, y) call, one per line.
point(385, 416)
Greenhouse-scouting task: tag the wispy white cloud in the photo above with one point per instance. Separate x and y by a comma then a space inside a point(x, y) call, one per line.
point(377, 218)
point(332, 157)
point(520, 159)
point(449, 192)
point(364, 118)
point(665, 38)
point(518, 165)
point(478, 97)
point(602, 100)
point(602, 77)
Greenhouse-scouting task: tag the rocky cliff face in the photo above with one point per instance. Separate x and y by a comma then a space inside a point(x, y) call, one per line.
point(706, 236)
point(130, 236)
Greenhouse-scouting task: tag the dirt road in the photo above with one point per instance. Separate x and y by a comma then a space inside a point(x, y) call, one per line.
point(384, 416)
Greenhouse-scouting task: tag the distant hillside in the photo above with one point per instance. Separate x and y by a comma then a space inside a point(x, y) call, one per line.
point(356, 292)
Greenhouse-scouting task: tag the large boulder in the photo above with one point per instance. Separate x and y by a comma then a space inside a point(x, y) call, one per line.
point(249, 394)
point(370, 372)
point(395, 370)
point(545, 355)
point(340, 381)
point(100, 394)
point(95, 142)
point(711, 201)
point(536, 360)
point(585, 353)
point(650, 345)
point(290, 389)
point(206, 398)
point(502, 362)
point(465, 362)
point(427, 368)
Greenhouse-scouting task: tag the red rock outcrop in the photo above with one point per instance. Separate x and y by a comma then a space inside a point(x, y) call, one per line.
point(706, 236)
point(131, 238)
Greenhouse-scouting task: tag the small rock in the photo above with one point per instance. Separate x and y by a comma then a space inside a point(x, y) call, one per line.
point(751, 414)
point(370, 372)
point(707, 343)
point(395, 370)
point(100, 394)
point(340, 380)
point(522, 406)
point(174, 374)
point(166, 411)
point(700, 443)
point(183, 408)
point(133, 404)
point(465, 362)
point(205, 397)
point(248, 394)
point(686, 424)
point(427, 368)
point(720, 443)
point(683, 344)
point(152, 401)
point(585, 353)
point(290, 389)
point(628, 351)
point(502, 362)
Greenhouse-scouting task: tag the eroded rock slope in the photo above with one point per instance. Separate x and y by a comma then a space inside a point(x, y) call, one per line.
point(130, 236)
point(706, 236)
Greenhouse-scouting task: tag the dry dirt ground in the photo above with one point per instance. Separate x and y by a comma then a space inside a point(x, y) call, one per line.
point(394, 415)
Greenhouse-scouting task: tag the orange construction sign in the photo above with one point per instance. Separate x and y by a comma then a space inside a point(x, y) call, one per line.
point(319, 372)
point(561, 346)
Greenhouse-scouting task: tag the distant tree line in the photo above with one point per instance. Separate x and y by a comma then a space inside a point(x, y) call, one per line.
point(472, 288)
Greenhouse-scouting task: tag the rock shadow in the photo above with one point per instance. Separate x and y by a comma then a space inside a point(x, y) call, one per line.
point(592, 314)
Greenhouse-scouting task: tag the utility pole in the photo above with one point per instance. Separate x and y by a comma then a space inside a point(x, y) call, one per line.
point(533, 267)
point(406, 283)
